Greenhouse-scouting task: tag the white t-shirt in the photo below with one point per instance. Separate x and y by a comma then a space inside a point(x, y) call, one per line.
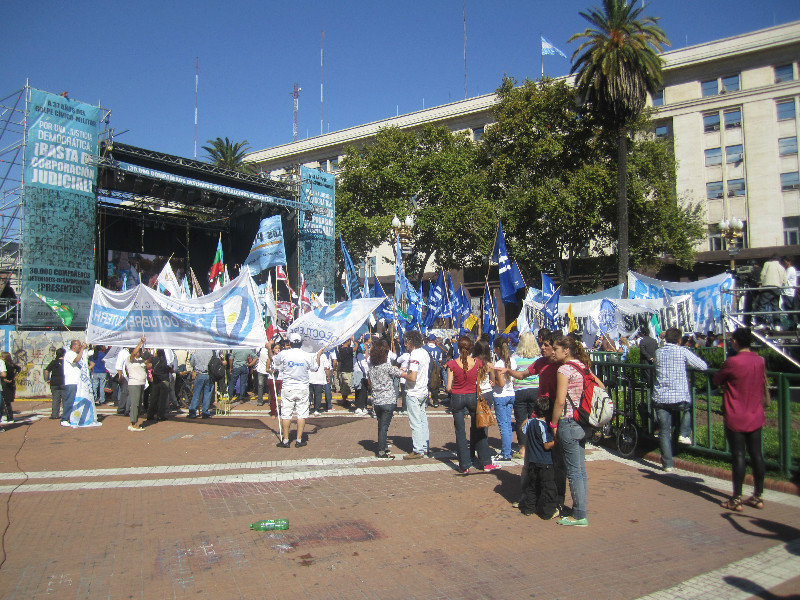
point(418, 362)
point(508, 388)
point(791, 281)
point(122, 359)
point(3, 367)
point(72, 370)
point(263, 357)
point(294, 365)
point(319, 377)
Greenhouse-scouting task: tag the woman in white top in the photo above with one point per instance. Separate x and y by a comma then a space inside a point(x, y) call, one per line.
point(136, 374)
point(504, 397)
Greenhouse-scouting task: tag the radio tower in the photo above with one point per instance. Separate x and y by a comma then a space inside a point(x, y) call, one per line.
point(295, 97)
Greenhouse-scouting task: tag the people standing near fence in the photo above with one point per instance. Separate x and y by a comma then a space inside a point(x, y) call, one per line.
point(569, 390)
point(744, 397)
point(672, 399)
point(54, 375)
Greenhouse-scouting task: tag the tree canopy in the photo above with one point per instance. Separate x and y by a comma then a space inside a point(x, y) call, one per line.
point(227, 154)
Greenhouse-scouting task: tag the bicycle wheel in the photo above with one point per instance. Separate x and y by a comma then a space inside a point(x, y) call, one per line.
point(627, 438)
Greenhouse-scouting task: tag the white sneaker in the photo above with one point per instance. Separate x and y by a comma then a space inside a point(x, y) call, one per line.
point(316, 413)
point(132, 428)
point(682, 439)
point(668, 469)
point(65, 424)
point(3, 420)
point(359, 411)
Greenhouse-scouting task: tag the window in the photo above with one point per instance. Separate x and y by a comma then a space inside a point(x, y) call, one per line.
point(711, 121)
point(784, 73)
point(658, 98)
point(786, 110)
point(662, 131)
point(733, 118)
point(734, 154)
point(714, 190)
point(730, 84)
point(790, 181)
point(715, 241)
point(477, 133)
point(791, 231)
point(736, 187)
point(323, 166)
point(787, 146)
point(713, 157)
point(710, 87)
point(334, 164)
point(369, 265)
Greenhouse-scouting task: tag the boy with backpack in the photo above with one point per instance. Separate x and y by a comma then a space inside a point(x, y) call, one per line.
point(540, 493)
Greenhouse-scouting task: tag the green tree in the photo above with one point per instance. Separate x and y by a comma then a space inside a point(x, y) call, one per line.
point(229, 155)
point(617, 64)
point(553, 182)
point(430, 173)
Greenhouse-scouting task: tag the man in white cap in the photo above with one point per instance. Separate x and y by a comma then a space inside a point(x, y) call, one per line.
point(294, 365)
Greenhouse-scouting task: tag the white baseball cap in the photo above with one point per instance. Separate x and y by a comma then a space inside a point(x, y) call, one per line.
point(295, 337)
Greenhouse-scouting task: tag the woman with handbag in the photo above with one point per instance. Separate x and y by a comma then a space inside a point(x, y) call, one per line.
point(569, 390)
point(462, 385)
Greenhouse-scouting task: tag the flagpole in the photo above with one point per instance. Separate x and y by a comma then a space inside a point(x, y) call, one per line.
point(494, 244)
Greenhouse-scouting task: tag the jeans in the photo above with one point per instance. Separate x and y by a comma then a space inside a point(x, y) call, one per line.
point(665, 414)
point(460, 405)
point(738, 441)
point(383, 412)
point(503, 407)
point(99, 387)
point(524, 404)
point(59, 396)
point(316, 390)
point(361, 393)
point(123, 398)
point(238, 374)
point(326, 389)
point(418, 420)
point(69, 399)
point(573, 439)
point(202, 386)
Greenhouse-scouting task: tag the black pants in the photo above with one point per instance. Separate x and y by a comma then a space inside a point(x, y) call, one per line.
point(540, 494)
point(361, 397)
point(738, 442)
point(9, 391)
point(157, 403)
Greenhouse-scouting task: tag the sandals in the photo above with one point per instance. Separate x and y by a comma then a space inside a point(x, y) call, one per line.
point(755, 502)
point(734, 504)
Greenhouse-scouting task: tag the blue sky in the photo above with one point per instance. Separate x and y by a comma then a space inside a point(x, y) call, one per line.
point(381, 57)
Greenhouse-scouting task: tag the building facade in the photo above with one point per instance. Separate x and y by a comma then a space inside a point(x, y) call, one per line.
point(730, 108)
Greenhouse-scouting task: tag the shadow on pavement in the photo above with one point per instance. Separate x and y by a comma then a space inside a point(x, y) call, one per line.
point(689, 484)
point(508, 485)
point(244, 422)
point(771, 530)
point(754, 589)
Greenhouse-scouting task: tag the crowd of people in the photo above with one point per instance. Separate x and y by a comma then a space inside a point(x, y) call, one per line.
point(533, 387)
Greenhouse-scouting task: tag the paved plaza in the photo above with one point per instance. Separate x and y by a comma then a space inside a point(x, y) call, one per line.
point(107, 513)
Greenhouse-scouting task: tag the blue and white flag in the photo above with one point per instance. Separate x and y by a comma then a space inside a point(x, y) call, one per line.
point(329, 326)
point(83, 413)
point(548, 49)
point(268, 250)
point(510, 278)
point(550, 296)
point(489, 316)
point(400, 281)
point(607, 317)
point(229, 317)
point(435, 301)
point(351, 286)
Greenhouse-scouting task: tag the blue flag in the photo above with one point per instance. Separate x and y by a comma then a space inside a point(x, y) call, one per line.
point(384, 311)
point(400, 282)
point(435, 301)
point(510, 278)
point(549, 50)
point(267, 250)
point(550, 296)
point(366, 284)
point(351, 284)
point(608, 316)
point(489, 318)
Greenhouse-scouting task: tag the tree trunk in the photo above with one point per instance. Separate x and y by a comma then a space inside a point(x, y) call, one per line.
point(622, 205)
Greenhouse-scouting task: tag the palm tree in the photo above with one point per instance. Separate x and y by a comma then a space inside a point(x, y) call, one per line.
point(225, 153)
point(617, 65)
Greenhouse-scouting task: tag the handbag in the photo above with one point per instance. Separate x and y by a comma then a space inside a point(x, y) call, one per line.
point(484, 417)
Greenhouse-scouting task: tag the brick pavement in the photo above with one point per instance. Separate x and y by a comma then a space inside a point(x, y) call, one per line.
point(166, 513)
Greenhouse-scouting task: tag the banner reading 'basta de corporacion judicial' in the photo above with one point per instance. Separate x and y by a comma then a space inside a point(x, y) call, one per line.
point(227, 318)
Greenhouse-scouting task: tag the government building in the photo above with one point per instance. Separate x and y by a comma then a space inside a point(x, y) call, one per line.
point(730, 109)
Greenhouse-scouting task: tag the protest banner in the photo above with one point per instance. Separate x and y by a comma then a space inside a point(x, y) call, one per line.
point(329, 326)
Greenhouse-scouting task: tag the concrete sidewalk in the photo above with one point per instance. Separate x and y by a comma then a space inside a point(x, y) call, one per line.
point(165, 513)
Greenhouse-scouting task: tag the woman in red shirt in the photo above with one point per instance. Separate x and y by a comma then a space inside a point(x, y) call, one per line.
point(744, 395)
point(463, 376)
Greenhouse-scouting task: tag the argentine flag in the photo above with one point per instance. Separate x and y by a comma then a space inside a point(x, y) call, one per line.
point(549, 49)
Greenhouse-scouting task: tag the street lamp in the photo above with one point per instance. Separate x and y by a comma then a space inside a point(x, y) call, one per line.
point(731, 231)
point(403, 231)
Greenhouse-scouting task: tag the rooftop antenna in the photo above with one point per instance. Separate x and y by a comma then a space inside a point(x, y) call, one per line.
point(321, 83)
point(295, 97)
point(196, 79)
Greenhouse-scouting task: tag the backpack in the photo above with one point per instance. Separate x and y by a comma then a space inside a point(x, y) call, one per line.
point(216, 370)
point(596, 406)
point(434, 374)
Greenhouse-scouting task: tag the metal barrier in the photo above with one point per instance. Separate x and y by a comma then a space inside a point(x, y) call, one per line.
point(630, 386)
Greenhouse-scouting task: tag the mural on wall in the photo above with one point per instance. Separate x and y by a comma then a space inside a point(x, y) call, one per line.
point(32, 352)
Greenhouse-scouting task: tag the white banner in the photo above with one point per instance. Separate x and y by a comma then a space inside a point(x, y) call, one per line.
point(229, 317)
point(329, 326)
point(618, 317)
point(706, 294)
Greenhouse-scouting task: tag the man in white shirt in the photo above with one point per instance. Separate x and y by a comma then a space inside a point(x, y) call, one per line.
point(788, 295)
point(417, 394)
point(317, 381)
point(294, 365)
point(72, 376)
